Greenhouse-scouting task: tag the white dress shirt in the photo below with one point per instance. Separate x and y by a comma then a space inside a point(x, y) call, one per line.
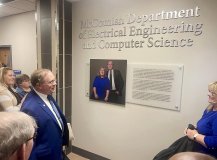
point(113, 81)
point(46, 101)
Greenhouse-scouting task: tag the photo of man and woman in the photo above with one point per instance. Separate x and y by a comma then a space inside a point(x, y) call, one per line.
point(108, 80)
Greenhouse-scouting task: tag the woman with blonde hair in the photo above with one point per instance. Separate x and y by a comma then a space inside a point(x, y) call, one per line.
point(201, 138)
point(9, 99)
point(205, 134)
point(101, 86)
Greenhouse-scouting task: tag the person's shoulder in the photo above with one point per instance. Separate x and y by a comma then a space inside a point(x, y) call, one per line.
point(19, 90)
point(31, 93)
point(116, 70)
point(2, 88)
point(97, 77)
point(31, 97)
point(30, 102)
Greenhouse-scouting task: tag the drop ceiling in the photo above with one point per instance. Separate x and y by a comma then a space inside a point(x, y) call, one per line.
point(12, 7)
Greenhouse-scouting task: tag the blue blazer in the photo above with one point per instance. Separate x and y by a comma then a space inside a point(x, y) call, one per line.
point(50, 138)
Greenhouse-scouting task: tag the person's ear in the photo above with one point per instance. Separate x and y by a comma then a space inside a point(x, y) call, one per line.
point(38, 85)
point(21, 152)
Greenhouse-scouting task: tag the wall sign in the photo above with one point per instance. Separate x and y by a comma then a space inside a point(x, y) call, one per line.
point(155, 85)
point(141, 31)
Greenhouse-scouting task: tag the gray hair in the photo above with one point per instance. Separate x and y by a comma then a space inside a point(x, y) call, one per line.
point(191, 156)
point(38, 75)
point(15, 129)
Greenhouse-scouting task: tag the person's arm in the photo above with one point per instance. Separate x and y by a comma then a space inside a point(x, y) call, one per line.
point(94, 92)
point(95, 83)
point(107, 95)
point(120, 82)
point(194, 135)
point(211, 140)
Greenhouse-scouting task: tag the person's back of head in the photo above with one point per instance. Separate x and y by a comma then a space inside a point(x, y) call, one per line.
point(191, 156)
point(17, 130)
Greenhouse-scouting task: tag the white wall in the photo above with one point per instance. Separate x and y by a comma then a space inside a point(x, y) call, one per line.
point(134, 131)
point(19, 31)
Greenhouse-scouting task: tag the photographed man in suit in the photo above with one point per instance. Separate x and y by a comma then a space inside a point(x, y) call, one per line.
point(17, 132)
point(116, 83)
point(52, 125)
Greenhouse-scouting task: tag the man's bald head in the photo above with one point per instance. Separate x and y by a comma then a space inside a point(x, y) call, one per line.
point(191, 156)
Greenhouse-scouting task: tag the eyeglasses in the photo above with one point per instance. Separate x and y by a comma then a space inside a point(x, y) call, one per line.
point(33, 137)
point(52, 82)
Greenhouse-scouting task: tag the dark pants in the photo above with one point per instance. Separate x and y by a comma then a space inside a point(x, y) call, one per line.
point(115, 98)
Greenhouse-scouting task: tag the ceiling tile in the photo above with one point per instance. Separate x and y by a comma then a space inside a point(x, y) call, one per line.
point(16, 7)
point(23, 5)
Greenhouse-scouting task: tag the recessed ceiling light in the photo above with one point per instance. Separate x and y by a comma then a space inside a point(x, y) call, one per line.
point(1, 4)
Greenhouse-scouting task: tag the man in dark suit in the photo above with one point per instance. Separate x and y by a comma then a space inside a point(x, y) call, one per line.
point(116, 83)
point(52, 131)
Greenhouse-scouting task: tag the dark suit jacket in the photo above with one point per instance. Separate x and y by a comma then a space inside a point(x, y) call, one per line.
point(50, 138)
point(119, 82)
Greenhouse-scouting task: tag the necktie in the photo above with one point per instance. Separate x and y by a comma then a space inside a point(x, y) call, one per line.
point(110, 78)
point(56, 112)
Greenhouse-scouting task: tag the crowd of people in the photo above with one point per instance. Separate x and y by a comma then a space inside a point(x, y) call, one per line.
point(26, 108)
point(32, 125)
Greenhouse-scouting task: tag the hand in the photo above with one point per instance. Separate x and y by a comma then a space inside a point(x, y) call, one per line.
point(117, 92)
point(96, 96)
point(190, 133)
point(106, 99)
